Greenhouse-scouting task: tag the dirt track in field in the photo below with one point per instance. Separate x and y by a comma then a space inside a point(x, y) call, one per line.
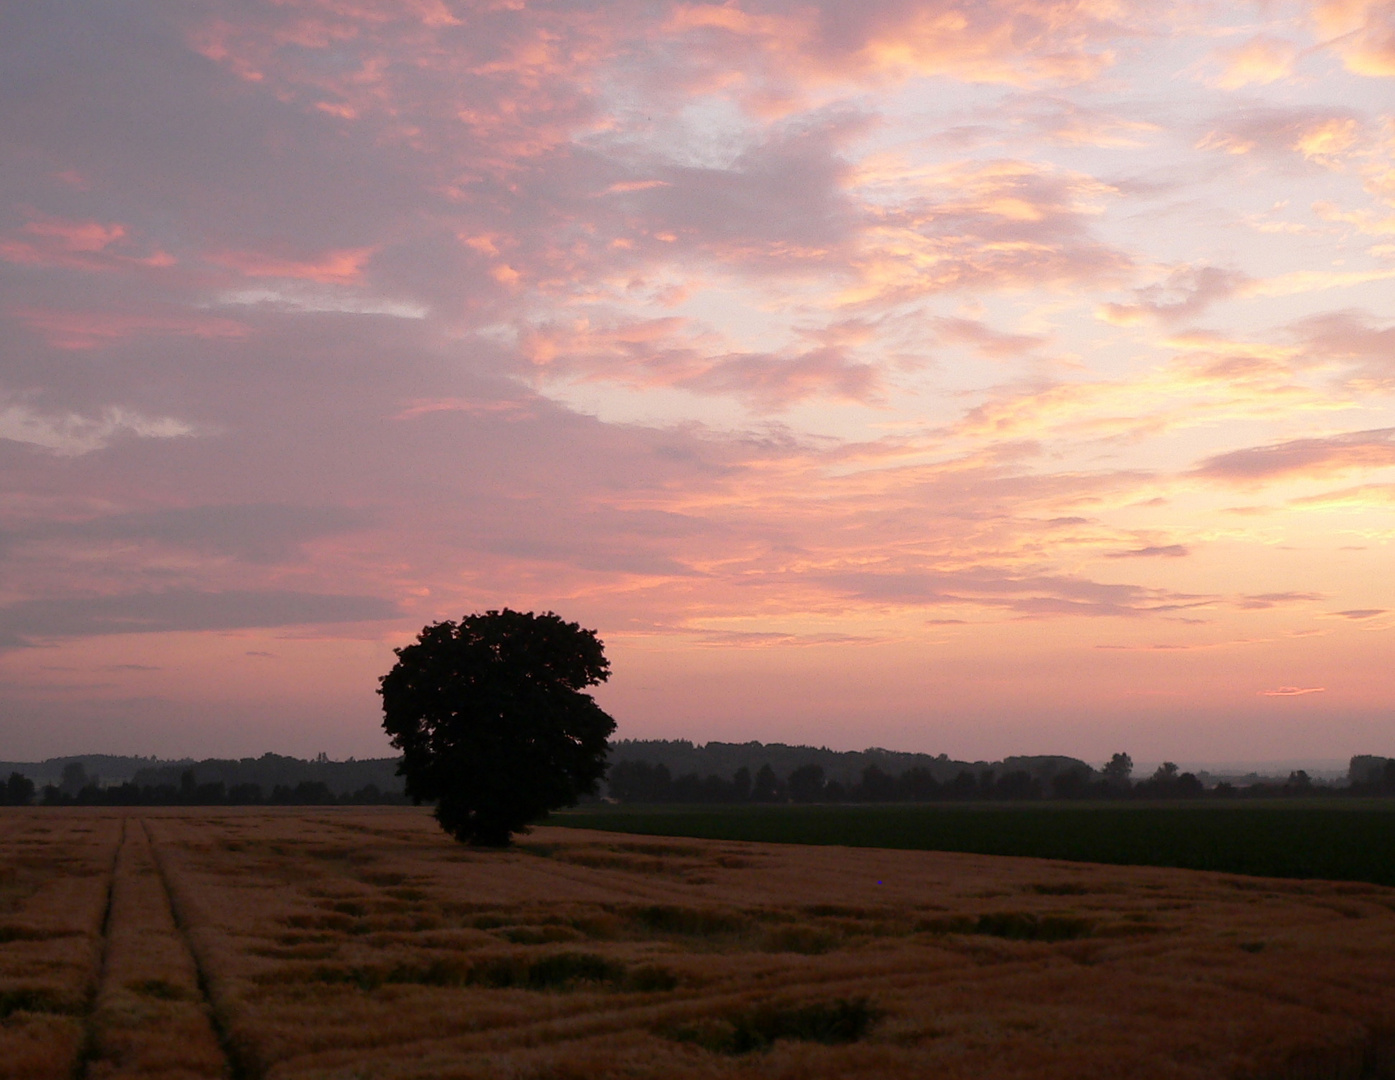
point(364, 943)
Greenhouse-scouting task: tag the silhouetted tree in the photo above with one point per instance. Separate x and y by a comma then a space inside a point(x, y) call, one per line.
point(876, 786)
point(492, 720)
point(1071, 784)
point(18, 790)
point(1017, 785)
point(741, 784)
point(766, 787)
point(1118, 770)
point(806, 784)
point(963, 786)
point(75, 778)
point(639, 781)
point(918, 784)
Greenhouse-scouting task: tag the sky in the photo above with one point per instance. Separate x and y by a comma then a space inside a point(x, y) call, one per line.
point(991, 378)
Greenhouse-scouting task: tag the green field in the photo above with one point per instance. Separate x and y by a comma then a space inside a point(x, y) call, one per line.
point(1351, 840)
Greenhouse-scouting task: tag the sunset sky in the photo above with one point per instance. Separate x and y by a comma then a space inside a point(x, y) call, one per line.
point(982, 378)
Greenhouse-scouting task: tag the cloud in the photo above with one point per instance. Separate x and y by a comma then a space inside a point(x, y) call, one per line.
point(993, 42)
point(986, 225)
point(1358, 614)
point(1321, 136)
point(1264, 601)
point(258, 532)
point(1292, 691)
point(689, 319)
point(984, 339)
point(183, 610)
point(670, 352)
point(1028, 595)
point(1306, 458)
point(81, 330)
point(1261, 60)
point(1170, 551)
point(343, 267)
point(1186, 293)
point(1365, 346)
point(71, 434)
point(78, 245)
point(1362, 32)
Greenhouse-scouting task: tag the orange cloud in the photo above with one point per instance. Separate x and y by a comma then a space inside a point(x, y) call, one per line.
point(339, 267)
point(1361, 32)
point(77, 245)
point(1066, 41)
point(1292, 691)
point(1259, 61)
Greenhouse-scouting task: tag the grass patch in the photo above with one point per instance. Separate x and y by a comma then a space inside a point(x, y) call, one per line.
point(689, 921)
point(35, 1000)
point(1014, 925)
point(32, 933)
point(161, 989)
point(1342, 840)
point(1024, 926)
point(559, 972)
point(842, 1021)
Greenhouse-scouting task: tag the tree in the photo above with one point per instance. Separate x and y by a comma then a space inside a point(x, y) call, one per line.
point(75, 778)
point(766, 786)
point(806, 783)
point(493, 723)
point(1118, 770)
point(18, 790)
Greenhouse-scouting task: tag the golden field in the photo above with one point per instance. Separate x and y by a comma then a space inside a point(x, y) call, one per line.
point(364, 943)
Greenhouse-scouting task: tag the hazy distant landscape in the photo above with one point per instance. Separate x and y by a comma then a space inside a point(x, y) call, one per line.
point(675, 771)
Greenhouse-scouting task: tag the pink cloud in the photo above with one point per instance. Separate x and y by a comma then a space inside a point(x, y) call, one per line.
point(1292, 691)
point(93, 329)
point(984, 339)
point(1185, 293)
point(78, 245)
point(1152, 551)
point(1306, 458)
point(341, 267)
point(668, 352)
point(1355, 339)
point(1321, 136)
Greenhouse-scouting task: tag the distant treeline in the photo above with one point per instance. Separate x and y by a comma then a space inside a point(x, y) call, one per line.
point(634, 780)
point(268, 772)
point(722, 759)
point(77, 789)
point(661, 771)
point(268, 780)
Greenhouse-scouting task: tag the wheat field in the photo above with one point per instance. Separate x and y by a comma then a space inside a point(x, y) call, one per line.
point(364, 943)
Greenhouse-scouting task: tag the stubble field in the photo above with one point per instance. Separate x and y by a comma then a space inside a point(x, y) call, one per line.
point(365, 943)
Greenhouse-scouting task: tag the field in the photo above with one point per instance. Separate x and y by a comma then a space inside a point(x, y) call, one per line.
point(363, 943)
point(1336, 839)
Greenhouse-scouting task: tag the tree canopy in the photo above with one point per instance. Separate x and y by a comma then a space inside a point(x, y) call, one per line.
point(493, 722)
